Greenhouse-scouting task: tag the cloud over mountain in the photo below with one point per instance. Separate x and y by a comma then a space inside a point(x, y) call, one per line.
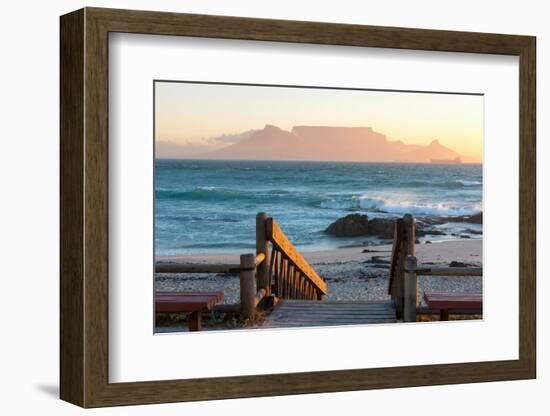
point(189, 148)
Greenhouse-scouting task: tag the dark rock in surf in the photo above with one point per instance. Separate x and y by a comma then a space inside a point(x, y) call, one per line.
point(433, 232)
point(475, 219)
point(472, 219)
point(382, 227)
point(352, 225)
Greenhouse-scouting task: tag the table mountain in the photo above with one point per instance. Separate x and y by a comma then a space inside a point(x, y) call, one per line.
point(327, 143)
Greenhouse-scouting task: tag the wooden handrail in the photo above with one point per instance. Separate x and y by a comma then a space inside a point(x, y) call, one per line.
point(448, 271)
point(203, 267)
point(196, 268)
point(300, 280)
point(260, 258)
point(412, 271)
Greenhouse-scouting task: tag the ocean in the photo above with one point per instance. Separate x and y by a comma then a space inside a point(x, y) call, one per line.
point(209, 206)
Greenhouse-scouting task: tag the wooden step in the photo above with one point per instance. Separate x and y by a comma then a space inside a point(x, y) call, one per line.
point(300, 313)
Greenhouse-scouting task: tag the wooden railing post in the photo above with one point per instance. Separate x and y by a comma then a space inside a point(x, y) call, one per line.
point(395, 286)
point(248, 292)
point(410, 234)
point(262, 246)
point(409, 238)
point(410, 290)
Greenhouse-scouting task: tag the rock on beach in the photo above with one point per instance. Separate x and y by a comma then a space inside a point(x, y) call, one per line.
point(355, 225)
point(352, 225)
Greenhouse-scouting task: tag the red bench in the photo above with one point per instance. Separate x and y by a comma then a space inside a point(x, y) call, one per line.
point(446, 302)
point(191, 303)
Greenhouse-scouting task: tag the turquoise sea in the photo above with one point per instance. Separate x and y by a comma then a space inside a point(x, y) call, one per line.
point(206, 206)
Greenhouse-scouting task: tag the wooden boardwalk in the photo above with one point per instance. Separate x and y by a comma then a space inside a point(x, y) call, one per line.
point(303, 313)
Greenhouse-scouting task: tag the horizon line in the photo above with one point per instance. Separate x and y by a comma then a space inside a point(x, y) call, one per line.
point(194, 158)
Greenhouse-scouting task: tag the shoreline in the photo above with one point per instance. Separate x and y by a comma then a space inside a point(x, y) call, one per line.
point(352, 273)
point(459, 250)
point(430, 229)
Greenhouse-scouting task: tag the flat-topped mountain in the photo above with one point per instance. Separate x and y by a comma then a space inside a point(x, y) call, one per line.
point(328, 143)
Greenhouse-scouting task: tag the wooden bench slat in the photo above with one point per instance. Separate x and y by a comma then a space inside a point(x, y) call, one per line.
point(199, 302)
point(453, 295)
point(177, 302)
point(454, 301)
point(184, 301)
point(180, 308)
point(191, 303)
point(183, 294)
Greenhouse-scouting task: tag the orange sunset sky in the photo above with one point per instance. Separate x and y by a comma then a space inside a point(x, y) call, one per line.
point(188, 113)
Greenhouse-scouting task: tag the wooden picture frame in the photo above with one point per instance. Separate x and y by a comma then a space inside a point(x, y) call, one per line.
point(84, 207)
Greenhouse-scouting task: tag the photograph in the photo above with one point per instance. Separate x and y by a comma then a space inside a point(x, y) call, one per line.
point(294, 206)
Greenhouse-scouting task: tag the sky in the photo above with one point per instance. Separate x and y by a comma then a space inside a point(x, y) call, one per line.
point(188, 113)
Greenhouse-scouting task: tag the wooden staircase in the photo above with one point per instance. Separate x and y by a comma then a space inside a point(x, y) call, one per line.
point(299, 291)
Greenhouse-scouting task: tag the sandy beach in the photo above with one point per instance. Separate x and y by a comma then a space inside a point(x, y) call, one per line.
point(352, 273)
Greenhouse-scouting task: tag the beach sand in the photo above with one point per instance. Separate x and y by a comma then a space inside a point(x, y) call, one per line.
point(351, 273)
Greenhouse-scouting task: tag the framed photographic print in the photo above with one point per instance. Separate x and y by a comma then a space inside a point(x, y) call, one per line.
point(255, 207)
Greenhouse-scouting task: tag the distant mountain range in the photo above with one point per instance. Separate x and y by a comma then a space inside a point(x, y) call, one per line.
point(320, 143)
point(326, 143)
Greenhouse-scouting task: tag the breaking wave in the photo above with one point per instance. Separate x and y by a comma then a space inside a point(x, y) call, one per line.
point(463, 182)
point(400, 207)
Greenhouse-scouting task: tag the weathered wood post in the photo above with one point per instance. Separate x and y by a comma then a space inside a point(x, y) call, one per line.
point(396, 268)
point(410, 290)
point(409, 243)
point(248, 291)
point(262, 246)
point(410, 234)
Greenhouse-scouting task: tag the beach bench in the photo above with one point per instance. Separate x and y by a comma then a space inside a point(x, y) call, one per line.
point(446, 302)
point(191, 303)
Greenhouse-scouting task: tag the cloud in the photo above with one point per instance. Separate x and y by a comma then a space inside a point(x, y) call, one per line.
point(189, 148)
